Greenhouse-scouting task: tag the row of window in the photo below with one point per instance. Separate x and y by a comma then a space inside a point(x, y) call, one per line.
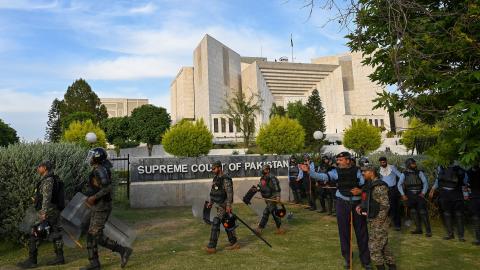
point(223, 125)
point(374, 122)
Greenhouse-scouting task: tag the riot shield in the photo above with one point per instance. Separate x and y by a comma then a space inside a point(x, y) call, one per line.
point(28, 221)
point(199, 210)
point(119, 232)
point(71, 234)
point(76, 211)
point(257, 206)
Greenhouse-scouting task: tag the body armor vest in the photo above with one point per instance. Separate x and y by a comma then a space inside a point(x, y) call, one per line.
point(267, 186)
point(449, 177)
point(369, 204)
point(95, 184)
point(412, 180)
point(347, 180)
point(294, 171)
point(218, 193)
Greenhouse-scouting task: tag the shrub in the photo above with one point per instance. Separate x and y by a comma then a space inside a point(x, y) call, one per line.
point(390, 134)
point(77, 130)
point(18, 177)
point(188, 139)
point(281, 135)
point(362, 137)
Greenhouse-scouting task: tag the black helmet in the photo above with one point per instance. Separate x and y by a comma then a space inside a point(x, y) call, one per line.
point(41, 230)
point(293, 160)
point(228, 222)
point(345, 154)
point(409, 162)
point(280, 211)
point(47, 164)
point(266, 166)
point(97, 155)
point(362, 162)
point(306, 156)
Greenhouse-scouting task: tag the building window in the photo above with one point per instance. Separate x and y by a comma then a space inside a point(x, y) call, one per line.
point(376, 122)
point(224, 125)
point(230, 125)
point(382, 123)
point(370, 121)
point(215, 125)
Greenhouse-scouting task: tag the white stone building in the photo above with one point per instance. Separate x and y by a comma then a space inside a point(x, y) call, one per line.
point(342, 82)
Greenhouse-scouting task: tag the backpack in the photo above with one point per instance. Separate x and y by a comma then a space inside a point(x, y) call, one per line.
point(58, 193)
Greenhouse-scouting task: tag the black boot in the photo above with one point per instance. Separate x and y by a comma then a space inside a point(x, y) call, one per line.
point(392, 267)
point(296, 196)
point(92, 249)
point(380, 267)
point(214, 233)
point(416, 218)
point(124, 252)
point(329, 206)
point(58, 247)
point(447, 218)
point(460, 226)
point(426, 222)
point(31, 262)
point(476, 229)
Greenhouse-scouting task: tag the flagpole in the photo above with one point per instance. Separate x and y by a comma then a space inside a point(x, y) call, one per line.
point(291, 45)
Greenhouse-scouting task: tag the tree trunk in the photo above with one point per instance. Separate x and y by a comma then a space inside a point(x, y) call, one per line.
point(149, 147)
point(393, 126)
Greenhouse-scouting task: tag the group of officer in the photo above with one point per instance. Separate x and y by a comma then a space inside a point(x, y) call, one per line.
point(49, 202)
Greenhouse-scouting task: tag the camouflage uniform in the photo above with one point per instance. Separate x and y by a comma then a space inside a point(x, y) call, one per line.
point(221, 197)
point(270, 189)
point(380, 252)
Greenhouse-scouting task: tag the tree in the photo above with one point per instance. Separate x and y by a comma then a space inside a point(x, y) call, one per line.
point(77, 130)
point(281, 135)
point(314, 119)
point(117, 132)
point(148, 124)
point(362, 137)
point(418, 130)
point(76, 116)
point(277, 111)
point(243, 112)
point(80, 98)
point(188, 139)
point(54, 128)
point(295, 110)
point(8, 135)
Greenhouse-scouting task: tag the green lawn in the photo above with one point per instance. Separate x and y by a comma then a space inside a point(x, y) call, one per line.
point(169, 238)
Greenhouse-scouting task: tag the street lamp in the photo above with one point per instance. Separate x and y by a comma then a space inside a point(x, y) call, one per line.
point(318, 135)
point(91, 137)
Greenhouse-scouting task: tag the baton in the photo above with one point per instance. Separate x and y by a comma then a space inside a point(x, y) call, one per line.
point(289, 203)
point(252, 230)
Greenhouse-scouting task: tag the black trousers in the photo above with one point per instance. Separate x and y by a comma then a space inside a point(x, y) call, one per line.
point(394, 212)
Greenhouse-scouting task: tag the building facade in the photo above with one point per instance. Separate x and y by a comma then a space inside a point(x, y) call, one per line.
point(201, 91)
point(119, 107)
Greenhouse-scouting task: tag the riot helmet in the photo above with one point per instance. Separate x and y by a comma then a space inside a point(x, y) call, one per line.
point(97, 155)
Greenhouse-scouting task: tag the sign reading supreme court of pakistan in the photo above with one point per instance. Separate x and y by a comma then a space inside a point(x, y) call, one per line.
point(161, 169)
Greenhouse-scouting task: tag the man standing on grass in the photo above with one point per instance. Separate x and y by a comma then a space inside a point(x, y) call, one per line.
point(389, 174)
point(375, 206)
point(221, 196)
point(349, 180)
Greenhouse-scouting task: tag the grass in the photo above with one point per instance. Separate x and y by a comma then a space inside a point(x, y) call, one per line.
point(170, 238)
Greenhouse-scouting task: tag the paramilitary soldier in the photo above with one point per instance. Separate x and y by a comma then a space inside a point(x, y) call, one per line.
point(326, 191)
point(416, 186)
point(269, 187)
point(221, 197)
point(100, 201)
point(450, 182)
point(293, 181)
point(49, 201)
point(375, 205)
point(349, 180)
point(474, 184)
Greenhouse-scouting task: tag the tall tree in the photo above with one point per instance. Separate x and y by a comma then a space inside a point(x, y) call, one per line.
point(148, 124)
point(54, 128)
point(76, 116)
point(243, 111)
point(117, 132)
point(81, 98)
point(8, 135)
point(314, 117)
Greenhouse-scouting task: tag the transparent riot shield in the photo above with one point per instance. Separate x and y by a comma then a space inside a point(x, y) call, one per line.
point(76, 211)
point(199, 210)
point(119, 232)
point(71, 234)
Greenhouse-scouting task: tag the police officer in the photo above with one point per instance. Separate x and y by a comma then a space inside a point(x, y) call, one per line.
point(293, 181)
point(221, 197)
point(474, 184)
point(416, 186)
point(269, 187)
point(48, 207)
point(375, 206)
point(309, 183)
point(100, 202)
point(389, 174)
point(450, 182)
point(349, 181)
point(326, 190)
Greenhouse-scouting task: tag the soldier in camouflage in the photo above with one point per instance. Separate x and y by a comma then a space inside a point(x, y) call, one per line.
point(375, 205)
point(100, 201)
point(48, 211)
point(269, 187)
point(221, 197)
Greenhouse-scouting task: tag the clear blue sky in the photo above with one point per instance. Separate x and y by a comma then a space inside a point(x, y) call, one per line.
point(135, 48)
